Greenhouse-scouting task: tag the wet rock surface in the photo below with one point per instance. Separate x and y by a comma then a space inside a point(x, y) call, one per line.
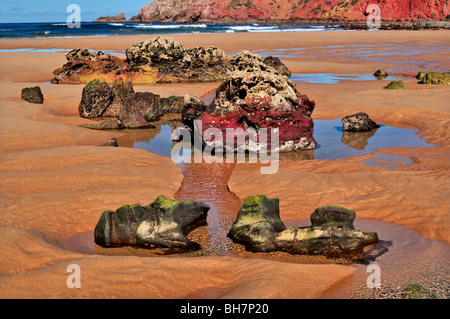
point(359, 122)
point(256, 101)
point(259, 228)
point(163, 223)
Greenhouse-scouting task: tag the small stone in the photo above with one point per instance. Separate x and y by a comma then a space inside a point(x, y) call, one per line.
point(395, 85)
point(33, 95)
point(359, 122)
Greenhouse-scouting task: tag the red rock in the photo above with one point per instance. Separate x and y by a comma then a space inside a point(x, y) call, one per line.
point(224, 11)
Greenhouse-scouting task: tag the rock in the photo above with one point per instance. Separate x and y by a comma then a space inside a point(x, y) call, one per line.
point(84, 65)
point(108, 124)
point(163, 223)
point(395, 85)
point(332, 234)
point(113, 142)
point(95, 99)
point(172, 104)
point(130, 110)
point(433, 78)
point(118, 18)
point(359, 122)
point(276, 64)
point(254, 11)
point(414, 291)
point(257, 223)
point(381, 74)
point(259, 228)
point(255, 96)
point(32, 95)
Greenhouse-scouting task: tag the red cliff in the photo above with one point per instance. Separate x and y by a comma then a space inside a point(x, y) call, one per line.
point(224, 11)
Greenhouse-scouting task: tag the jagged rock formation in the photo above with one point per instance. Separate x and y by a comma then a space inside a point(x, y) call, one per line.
point(163, 223)
point(254, 97)
point(123, 107)
point(248, 11)
point(259, 228)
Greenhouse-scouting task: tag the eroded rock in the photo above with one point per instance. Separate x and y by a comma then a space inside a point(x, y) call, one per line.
point(433, 78)
point(259, 228)
point(163, 223)
point(254, 97)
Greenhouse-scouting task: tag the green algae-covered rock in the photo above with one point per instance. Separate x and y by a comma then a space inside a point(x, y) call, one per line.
point(257, 223)
point(433, 78)
point(33, 95)
point(259, 228)
point(95, 99)
point(414, 291)
point(395, 85)
point(163, 223)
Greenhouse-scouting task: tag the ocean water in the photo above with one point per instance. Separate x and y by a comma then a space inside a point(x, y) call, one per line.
point(52, 29)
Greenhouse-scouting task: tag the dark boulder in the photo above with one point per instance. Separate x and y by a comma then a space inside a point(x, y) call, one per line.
point(395, 85)
point(95, 99)
point(359, 122)
point(33, 95)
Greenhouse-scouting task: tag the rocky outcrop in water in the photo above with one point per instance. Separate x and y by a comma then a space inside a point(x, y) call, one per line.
point(259, 228)
point(253, 98)
point(164, 223)
point(250, 11)
point(359, 122)
point(32, 95)
point(118, 18)
point(158, 60)
point(433, 78)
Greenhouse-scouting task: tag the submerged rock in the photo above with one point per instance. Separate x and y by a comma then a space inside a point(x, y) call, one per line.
point(395, 85)
point(32, 95)
point(359, 122)
point(259, 228)
point(163, 223)
point(254, 97)
point(414, 291)
point(433, 78)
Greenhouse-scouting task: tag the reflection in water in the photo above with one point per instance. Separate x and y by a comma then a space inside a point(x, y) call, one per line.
point(329, 78)
point(357, 140)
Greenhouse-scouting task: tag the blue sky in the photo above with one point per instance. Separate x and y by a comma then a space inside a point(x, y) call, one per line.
point(55, 10)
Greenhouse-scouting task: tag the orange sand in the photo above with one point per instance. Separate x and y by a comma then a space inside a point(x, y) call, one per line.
point(57, 178)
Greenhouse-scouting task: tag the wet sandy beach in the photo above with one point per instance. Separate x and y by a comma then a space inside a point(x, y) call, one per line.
point(58, 178)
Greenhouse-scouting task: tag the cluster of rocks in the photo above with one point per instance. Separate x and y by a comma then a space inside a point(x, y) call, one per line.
point(254, 96)
point(159, 60)
point(259, 228)
point(433, 78)
point(123, 108)
point(165, 223)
